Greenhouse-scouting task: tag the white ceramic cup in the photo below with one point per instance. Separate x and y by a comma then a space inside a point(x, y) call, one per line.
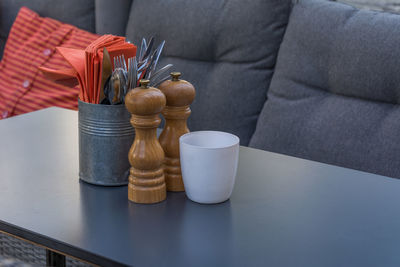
point(209, 162)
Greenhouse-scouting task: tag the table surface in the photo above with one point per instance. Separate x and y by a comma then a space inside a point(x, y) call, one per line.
point(284, 211)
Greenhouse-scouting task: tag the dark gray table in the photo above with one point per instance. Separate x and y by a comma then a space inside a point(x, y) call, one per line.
point(284, 211)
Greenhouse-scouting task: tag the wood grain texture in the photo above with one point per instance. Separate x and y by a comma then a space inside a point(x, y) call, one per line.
point(146, 156)
point(179, 95)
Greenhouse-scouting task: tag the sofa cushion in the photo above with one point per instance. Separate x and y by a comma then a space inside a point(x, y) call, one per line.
point(2, 44)
point(32, 44)
point(335, 93)
point(112, 16)
point(75, 12)
point(226, 49)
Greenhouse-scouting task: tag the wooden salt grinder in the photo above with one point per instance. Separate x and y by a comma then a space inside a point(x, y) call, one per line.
point(146, 156)
point(180, 94)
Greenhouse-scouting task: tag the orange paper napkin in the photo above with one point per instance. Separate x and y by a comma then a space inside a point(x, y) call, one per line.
point(86, 65)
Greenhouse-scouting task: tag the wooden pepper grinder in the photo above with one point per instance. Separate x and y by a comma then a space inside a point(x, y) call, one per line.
point(180, 94)
point(146, 156)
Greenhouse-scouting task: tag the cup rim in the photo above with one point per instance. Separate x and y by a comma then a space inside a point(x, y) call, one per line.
point(237, 140)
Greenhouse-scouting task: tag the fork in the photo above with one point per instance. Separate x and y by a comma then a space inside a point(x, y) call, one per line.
point(132, 72)
point(120, 63)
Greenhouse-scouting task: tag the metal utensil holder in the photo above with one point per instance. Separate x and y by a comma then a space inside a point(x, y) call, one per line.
point(105, 137)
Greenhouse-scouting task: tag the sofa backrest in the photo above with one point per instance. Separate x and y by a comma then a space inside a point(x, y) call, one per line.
point(76, 12)
point(112, 16)
point(226, 49)
point(335, 93)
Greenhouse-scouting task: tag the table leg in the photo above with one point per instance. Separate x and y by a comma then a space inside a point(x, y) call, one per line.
point(54, 259)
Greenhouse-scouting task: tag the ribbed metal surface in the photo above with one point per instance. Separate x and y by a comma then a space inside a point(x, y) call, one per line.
point(104, 128)
point(105, 137)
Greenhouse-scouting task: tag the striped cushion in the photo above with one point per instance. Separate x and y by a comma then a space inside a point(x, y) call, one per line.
point(30, 44)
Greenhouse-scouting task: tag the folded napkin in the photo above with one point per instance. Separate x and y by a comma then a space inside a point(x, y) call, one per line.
point(86, 65)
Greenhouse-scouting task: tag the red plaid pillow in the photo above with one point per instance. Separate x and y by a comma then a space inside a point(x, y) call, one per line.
point(30, 44)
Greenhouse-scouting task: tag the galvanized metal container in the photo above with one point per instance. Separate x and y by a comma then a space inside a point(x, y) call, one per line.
point(105, 137)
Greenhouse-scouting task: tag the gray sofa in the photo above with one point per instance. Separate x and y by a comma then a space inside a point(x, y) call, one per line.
point(319, 82)
point(313, 79)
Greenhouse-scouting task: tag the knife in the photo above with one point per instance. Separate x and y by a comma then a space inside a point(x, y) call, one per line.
point(105, 72)
point(157, 57)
